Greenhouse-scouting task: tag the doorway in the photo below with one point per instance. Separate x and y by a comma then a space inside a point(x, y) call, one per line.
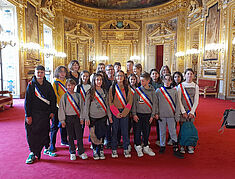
point(159, 57)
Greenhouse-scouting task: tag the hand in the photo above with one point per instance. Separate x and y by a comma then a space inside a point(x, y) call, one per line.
point(156, 116)
point(29, 120)
point(51, 116)
point(87, 122)
point(185, 115)
point(81, 122)
point(150, 120)
point(111, 120)
point(135, 118)
point(63, 124)
point(191, 116)
point(119, 115)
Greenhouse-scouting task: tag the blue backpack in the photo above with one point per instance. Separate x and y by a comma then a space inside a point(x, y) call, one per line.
point(188, 134)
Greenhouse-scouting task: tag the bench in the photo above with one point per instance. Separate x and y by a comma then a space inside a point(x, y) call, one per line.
point(208, 87)
point(5, 99)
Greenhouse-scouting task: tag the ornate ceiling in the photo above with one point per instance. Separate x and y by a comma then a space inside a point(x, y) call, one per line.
point(120, 4)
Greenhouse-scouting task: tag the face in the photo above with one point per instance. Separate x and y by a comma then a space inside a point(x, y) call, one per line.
point(144, 82)
point(165, 71)
point(62, 73)
point(137, 71)
point(101, 68)
point(189, 76)
point(167, 81)
point(40, 74)
point(109, 71)
point(132, 81)
point(129, 67)
point(75, 67)
point(120, 77)
point(117, 68)
point(85, 77)
point(70, 87)
point(98, 81)
point(177, 78)
point(154, 76)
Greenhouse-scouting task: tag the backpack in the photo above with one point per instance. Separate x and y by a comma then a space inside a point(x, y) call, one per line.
point(188, 134)
point(229, 119)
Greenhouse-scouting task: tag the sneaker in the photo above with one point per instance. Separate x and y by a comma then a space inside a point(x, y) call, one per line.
point(95, 155)
point(158, 143)
point(102, 157)
point(73, 157)
point(178, 154)
point(148, 150)
point(162, 150)
point(65, 144)
point(114, 154)
point(30, 158)
point(83, 156)
point(170, 142)
point(129, 148)
point(48, 152)
point(182, 150)
point(190, 150)
point(127, 154)
point(139, 151)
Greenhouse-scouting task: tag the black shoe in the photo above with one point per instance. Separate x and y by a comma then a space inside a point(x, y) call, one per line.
point(162, 150)
point(178, 154)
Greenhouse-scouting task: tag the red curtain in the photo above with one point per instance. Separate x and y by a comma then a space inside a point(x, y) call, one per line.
point(159, 56)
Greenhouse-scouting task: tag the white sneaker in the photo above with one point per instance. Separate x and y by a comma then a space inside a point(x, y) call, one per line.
point(102, 157)
point(139, 151)
point(114, 154)
point(73, 157)
point(190, 150)
point(158, 143)
point(182, 150)
point(148, 150)
point(95, 155)
point(127, 154)
point(83, 156)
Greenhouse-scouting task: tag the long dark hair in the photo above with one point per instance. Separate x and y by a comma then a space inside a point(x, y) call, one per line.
point(182, 78)
point(129, 77)
point(125, 84)
point(80, 78)
point(93, 85)
point(159, 78)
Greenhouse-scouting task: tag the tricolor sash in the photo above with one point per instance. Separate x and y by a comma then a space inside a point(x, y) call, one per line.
point(61, 86)
point(83, 93)
point(132, 90)
point(186, 97)
point(168, 98)
point(40, 95)
point(120, 96)
point(74, 104)
point(144, 97)
point(100, 100)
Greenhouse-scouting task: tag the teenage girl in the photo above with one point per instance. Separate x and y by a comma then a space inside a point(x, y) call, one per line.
point(137, 71)
point(177, 79)
point(96, 115)
point(120, 102)
point(188, 92)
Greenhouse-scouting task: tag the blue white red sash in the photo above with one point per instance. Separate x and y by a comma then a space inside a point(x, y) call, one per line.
point(168, 98)
point(120, 96)
point(74, 104)
point(40, 95)
point(100, 100)
point(186, 97)
point(144, 97)
point(62, 87)
point(83, 93)
point(132, 90)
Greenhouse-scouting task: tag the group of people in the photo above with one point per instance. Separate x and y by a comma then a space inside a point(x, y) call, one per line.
point(111, 103)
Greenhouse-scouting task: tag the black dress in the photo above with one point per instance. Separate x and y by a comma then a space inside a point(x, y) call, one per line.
point(74, 78)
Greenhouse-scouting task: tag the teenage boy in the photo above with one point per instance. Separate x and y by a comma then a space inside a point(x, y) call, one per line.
point(143, 110)
point(40, 107)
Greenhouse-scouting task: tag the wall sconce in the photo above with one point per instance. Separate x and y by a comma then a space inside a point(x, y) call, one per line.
point(192, 51)
point(102, 58)
point(179, 54)
point(214, 47)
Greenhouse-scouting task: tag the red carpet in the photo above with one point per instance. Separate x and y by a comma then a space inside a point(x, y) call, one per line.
point(213, 158)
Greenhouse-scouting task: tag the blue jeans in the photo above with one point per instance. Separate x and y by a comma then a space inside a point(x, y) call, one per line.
point(123, 123)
